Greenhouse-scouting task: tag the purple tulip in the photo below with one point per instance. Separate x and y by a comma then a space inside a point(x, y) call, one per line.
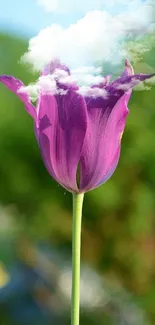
point(80, 135)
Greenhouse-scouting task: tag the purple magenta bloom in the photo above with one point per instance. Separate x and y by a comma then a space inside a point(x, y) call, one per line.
point(80, 133)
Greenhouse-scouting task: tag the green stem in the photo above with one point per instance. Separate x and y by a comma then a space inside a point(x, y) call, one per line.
point(76, 252)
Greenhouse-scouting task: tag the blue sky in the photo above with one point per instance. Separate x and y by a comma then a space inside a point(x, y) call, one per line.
point(27, 18)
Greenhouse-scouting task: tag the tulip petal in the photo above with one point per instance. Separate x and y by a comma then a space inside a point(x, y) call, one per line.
point(14, 85)
point(101, 149)
point(124, 83)
point(115, 90)
point(128, 71)
point(62, 123)
point(114, 164)
point(52, 66)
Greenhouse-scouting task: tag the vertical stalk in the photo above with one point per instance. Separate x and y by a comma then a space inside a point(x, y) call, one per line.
point(76, 252)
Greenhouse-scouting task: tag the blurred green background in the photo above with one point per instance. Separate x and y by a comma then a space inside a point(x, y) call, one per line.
point(118, 232)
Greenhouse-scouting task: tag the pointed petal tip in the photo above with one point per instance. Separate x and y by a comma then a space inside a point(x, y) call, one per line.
point(53, 65)
point(129, 67)
point(107, 78)
point(14, 85)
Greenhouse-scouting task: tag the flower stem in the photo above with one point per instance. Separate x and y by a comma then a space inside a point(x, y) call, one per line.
point(76, 252)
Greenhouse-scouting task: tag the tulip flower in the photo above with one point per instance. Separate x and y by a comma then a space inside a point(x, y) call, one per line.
point(79, 135)
point(79, 131)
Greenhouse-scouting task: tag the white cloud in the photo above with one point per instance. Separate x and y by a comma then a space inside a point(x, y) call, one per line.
point(47, 84)
point(92, 92)
point(145, 85)
point(97, 37)
point(31, 90)
point(85, 70)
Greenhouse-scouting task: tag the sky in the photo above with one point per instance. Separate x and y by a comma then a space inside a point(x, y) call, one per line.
point(91, 30)
point(30, 16)
point(84, 33)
